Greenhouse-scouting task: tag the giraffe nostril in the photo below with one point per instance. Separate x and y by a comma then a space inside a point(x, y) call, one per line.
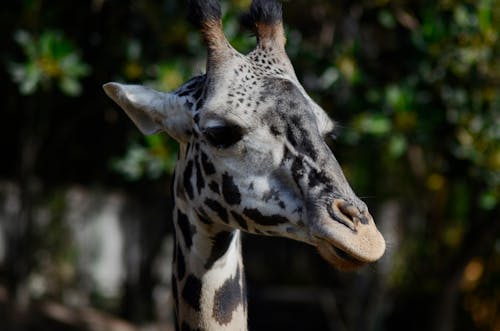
point(348, 211)
point(347, 214)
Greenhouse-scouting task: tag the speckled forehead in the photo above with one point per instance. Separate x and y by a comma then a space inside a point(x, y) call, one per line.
point(231, 100)
point(240, 92)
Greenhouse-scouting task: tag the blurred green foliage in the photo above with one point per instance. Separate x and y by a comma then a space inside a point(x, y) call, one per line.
point(151, 159)
point(49, 58)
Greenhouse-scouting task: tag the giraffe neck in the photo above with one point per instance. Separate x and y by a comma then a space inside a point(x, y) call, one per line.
point(208, 278)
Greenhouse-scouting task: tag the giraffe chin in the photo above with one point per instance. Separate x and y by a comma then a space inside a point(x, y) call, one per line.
point(339, 258)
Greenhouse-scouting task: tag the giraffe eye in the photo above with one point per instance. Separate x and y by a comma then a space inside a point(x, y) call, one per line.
point(223, 136)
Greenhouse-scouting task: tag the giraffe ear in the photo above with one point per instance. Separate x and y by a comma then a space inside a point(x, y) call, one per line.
point(153, 111)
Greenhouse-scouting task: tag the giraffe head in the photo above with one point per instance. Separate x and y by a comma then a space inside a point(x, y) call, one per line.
point(253, 154)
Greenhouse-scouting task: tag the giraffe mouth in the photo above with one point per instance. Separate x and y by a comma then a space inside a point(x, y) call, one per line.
point(338, 257)
point(346, 256)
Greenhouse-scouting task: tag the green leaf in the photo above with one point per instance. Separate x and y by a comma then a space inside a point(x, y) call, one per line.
point(386, 19)
point(375, 124)
point(25, 40)
point(461, 16)
point(488, 201)
point(73, 66)
point(397, 146)
point(30, 80)
point(399, 98)
point(50, 58)
point(70, 86)
point(485, 14)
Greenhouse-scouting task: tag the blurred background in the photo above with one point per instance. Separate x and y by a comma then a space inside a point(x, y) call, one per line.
point(85, 227)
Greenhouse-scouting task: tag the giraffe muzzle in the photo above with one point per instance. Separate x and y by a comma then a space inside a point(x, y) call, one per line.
point(348, 237)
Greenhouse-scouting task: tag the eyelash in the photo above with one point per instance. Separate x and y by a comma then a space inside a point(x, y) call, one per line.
point(330, 138)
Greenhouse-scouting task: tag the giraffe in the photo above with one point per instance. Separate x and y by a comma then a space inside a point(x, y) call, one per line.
point(252, 158)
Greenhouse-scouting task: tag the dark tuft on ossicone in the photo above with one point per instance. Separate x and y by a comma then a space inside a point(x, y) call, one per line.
point(263, 11)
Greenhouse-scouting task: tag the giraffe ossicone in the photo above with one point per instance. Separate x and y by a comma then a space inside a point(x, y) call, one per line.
point(252, 159)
